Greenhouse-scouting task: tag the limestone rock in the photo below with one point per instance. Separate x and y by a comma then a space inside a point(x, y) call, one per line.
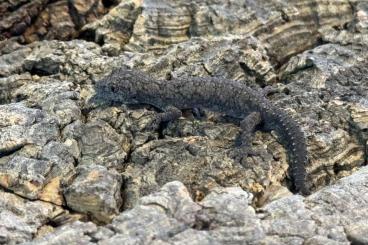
point(20, 218)
point(59, 147)
point(43, 19)
point(22, 126)
point(33, 163)
point(12, 62)
point(234, 57)
point(98, 143)
point(333, 77)
point(284, 27)
point(62, 98)
point(96, 191)
point(329, 216)
point(78, 232)
point(200, 163)
point(357, 233)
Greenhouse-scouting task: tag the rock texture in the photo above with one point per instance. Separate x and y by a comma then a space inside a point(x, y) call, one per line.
point(65, 158)
point(31, 21)
point(96, 191)
point(334, 215)
point(22, 220)
point(151, 25)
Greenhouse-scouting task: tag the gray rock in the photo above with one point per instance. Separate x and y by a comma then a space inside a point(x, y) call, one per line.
point(74, 233)
point(357, 233)
point(48, 126)
point(98, 143)
point(149, 25)
point(199, 162)
point(333, 215)
point(22, 125)
point(96, 191)
point(11, 83)
point(166, 214)
point(13, 62)
point(20, 219)
point(234, 57)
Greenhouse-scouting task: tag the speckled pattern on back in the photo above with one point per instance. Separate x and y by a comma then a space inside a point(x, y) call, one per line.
point(226, 96)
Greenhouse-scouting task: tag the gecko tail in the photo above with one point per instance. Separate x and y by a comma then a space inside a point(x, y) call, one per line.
point(292, 137)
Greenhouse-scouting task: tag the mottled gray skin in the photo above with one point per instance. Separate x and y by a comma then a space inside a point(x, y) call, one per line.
point(225, 96)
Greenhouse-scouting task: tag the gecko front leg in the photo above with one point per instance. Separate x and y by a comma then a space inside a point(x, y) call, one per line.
point(170, 113)
point(243, 141)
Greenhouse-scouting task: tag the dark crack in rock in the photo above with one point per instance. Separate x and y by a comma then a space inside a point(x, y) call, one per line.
point(21, 219)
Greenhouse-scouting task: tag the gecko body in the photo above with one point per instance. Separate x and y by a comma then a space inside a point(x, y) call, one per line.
point(229, 97)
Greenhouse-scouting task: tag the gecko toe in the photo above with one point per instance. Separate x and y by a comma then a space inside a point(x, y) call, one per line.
point(239, 154)
point(304, 190)
point(154, 124)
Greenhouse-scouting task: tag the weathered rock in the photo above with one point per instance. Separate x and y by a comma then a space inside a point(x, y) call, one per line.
point(17, 15)
point(329, 84)
point(168, 212)
point(201, 163)
point(49, 126)
point(361, 16)
point(43, 19)
point(21, 126)
point(110, 135)
point(20, 219)
point(329, 216)
point(357, 233)
point(58, 100)
point(7, 85)
point(11, 63)
point(284, 27)
point(98, 143)
point(33, 163)
point(78, 232)
point(233, 57)
point(95, 191)
point(115, 28)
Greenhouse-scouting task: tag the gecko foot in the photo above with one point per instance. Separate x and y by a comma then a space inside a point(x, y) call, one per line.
point(198, 113)
point(241, 153)
point(304, 190)
point(169, 114)
point(268, 90)
point(154, 124)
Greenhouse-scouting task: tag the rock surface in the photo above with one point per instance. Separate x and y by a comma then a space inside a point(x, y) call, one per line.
point(152, 25)
point(333, 215)
point(64, 157)
point(31, 21)
point(21, 219)
point(96, 191)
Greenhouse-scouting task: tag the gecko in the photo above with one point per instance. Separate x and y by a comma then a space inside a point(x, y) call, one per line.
point(230, 97)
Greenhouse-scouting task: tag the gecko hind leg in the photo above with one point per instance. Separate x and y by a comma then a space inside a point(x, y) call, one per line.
point(268, 90)
point(198, 112)
point(170, 113)
point(244, 139)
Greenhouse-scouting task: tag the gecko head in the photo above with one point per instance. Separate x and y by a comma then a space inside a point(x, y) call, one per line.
point(118, 87)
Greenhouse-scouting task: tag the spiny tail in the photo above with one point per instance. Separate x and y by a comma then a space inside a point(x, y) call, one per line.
point(292, 137)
